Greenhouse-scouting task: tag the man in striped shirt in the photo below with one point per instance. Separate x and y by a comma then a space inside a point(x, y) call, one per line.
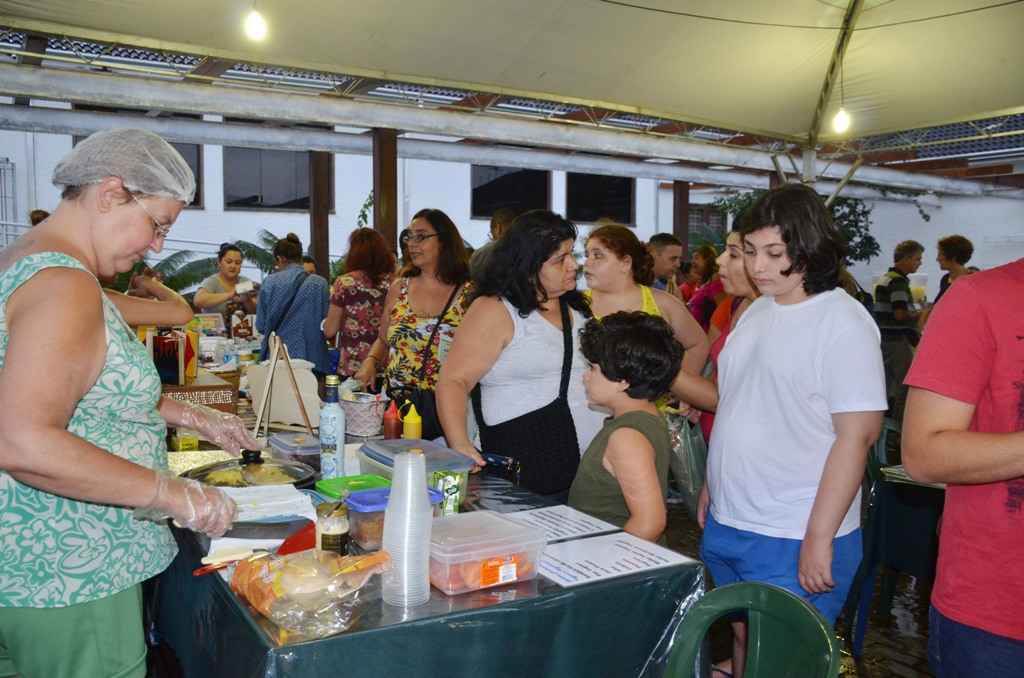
point(897, 319)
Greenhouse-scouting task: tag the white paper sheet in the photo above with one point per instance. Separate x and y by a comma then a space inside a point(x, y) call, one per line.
point(270, 501)
point(561, 522)
point(581, 561)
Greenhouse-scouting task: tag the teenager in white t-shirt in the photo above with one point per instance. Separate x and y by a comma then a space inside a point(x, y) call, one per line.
point(801, 392)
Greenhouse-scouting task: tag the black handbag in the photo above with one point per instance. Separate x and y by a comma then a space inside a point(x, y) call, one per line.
point(423, 398)
point(541, 446)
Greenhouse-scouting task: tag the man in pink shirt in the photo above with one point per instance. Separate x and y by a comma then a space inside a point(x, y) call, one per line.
point(964, 426)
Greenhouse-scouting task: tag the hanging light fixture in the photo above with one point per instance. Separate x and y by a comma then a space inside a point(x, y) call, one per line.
point(841, 121)
point(255, 25)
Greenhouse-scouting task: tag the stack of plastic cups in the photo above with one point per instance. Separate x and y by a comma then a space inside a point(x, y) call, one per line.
point(407, 521)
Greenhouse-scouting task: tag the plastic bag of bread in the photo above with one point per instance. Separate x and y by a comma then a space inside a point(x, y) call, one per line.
point(312, 593)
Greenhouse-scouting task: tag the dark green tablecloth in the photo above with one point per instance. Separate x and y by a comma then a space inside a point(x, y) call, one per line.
point(617, 628)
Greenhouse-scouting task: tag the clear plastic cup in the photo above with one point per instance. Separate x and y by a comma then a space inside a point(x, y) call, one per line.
point(407, 522)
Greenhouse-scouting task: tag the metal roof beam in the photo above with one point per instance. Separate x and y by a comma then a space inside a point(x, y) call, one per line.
point(834, 69)
point(132, 92)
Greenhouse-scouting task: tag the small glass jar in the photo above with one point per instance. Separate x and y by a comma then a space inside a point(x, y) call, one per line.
point(332, 527)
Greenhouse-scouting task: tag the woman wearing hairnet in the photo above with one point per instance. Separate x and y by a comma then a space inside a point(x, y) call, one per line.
point(84, 490)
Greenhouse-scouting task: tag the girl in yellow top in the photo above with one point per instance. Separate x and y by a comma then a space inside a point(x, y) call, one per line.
point(619, 271)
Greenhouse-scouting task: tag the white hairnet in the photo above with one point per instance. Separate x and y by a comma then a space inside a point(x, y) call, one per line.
point(144, 162)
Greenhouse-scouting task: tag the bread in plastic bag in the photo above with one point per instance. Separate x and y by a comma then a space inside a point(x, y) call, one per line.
point(312, 593)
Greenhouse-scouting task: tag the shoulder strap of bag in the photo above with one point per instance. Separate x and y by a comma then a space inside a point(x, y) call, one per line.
point(425, 354)
point(299, 281)
point(563, 387)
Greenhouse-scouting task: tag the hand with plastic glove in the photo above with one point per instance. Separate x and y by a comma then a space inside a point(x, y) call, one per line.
point(223, 429)
point(190, 504)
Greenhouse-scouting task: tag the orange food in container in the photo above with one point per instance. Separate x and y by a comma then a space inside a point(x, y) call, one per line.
point(471, 551)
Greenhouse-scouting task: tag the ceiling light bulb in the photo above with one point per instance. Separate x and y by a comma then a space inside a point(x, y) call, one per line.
point(255, 26)
point(841, 122)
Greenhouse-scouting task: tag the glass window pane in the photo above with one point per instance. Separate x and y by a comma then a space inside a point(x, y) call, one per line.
point(497, 187)
point(267, 179)
point(592, 197)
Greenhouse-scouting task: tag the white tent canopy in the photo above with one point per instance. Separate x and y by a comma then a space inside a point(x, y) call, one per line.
point(746, 65)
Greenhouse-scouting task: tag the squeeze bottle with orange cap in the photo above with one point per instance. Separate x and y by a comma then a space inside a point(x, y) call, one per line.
point(412, 423)
point(392, 422)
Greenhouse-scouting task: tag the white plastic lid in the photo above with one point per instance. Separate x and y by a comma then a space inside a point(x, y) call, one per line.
point(479, 534)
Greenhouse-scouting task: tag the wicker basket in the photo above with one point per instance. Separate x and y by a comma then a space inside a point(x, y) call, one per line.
point(364, 416)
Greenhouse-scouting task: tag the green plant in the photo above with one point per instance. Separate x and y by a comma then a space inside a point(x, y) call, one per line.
point(852, 217)
point(364, 212)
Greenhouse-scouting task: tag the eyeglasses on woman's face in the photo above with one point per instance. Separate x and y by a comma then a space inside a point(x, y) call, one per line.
point(160, 230)
point(409, 236)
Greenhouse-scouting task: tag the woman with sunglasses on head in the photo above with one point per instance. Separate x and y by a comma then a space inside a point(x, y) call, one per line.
point(217, 293)
point(422, 309)
point(81, 450)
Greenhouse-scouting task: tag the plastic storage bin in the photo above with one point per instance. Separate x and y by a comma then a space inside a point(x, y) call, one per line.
point(472, 551)
point(447, 470)
point(366, 515)
point(296, 447)
point(341, 487)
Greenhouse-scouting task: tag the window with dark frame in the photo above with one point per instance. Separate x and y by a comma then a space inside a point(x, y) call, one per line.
point(257, 178)
point(593, 197)
point(192, 153)
point(496, 187)
point(707, 224)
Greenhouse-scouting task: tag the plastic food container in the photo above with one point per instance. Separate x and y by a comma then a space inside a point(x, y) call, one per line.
point(472, 551)
point(341, 487)
point(447, 470)
point(296, 447)
point(366, 515)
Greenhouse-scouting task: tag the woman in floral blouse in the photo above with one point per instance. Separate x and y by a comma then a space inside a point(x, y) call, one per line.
point(432, 292)
point(357, 298)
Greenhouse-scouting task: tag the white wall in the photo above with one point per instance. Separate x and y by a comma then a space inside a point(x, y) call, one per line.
point(995, 226)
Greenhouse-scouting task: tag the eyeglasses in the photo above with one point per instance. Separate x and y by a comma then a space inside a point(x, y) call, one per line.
point(409, 236)
point(159, 230)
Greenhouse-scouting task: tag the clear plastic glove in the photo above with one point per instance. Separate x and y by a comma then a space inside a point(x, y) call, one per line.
point(190, 504)
point(222, 429)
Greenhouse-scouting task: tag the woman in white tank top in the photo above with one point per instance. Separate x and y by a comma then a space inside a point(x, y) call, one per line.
point(513, 342)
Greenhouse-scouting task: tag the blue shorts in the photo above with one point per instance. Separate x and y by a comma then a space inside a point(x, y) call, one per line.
point(734, 555)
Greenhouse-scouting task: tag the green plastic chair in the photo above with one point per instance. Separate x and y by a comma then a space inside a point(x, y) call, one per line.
point(786, 636)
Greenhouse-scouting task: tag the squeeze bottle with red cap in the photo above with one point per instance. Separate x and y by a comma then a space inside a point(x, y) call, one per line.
point(392, 422)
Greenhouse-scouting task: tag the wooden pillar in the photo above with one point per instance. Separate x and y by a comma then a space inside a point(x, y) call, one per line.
point(319, 210)
point(385, 185)
point(681, 214)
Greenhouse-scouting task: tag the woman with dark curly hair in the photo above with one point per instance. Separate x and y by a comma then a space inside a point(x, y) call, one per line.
point(623, 477)
point(518, 343)
point(619, 270)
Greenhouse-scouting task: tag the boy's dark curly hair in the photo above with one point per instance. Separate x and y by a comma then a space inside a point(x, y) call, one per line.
point(634, 347)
